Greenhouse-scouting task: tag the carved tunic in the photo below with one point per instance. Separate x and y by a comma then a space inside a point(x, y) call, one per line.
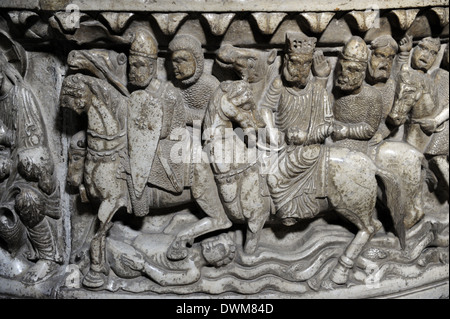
point(362, 113)
point(301, 169)
point(308, 109)
point(196, 97)
point(438, 144)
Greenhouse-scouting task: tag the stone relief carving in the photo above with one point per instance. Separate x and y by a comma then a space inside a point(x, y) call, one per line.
point(30, 192)
point(305, 155)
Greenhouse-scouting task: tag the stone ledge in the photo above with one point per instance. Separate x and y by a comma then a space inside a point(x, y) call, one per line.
point(217, 5)
point(432, 284)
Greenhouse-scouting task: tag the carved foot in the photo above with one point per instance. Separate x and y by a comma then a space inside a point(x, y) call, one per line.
point(250, 245)
point(413, 217)
point(41, 271)
point(178, 250)
point(94, 279)
point(341, 271)
point(339, 275)
point(251, 242)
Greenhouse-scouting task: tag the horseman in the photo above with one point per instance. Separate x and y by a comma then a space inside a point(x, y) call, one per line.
point(359, 113)
point(196, 85)
point(423, 58)
point(358, 107)
point(383, 66)
point(302, 112)
point(437, 148)
point(156, 117)
point(156, 127)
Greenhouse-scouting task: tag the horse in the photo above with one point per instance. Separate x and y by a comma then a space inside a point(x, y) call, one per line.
point(104, 98)
point(413, 102)
point(350, 182)
point(416, 109)
point(258, 68)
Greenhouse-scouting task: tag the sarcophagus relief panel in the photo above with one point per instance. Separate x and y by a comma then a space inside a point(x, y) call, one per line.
point(155, 149)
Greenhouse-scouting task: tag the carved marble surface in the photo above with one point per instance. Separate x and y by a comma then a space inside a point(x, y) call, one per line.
point(254, 149)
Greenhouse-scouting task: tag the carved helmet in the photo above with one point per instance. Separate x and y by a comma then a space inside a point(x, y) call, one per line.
point(355, 50)
point(144, 44)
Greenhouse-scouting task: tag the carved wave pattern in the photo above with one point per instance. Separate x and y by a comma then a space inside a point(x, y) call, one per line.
point(305, 264)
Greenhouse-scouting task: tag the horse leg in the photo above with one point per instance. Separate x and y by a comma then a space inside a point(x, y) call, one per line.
point(98, 268)
point(205, 193)
point(369, 227)
point(354, 197)
point(255, 207)
point(441, 163)
point(252, 238)
point(406, 162)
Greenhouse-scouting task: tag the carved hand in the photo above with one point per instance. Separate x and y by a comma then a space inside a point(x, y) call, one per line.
point(428, 125)
point(321, 66)
point(137, 263)
point(340, 131)
point(376, 139)
point(296, 136)
point(406, 44)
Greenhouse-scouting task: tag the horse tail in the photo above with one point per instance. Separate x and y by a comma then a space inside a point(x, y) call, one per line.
point(395, 202)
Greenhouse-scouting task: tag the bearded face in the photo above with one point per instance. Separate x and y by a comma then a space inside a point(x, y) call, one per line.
point(141, 72)
point(297, 68)
point(350, 75)
point(380, 63)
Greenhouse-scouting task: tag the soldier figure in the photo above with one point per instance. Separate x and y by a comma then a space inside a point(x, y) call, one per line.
point(359, 114)
point(196, 85)
point(423, 58)
point(437, 148)
point(156, 126)
point(358, 107)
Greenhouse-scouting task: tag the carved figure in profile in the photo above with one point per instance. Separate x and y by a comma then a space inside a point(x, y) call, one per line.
point(437, 148)
point(358, 111)
point(105, 139)
point(196, 85)
point(29, 192)
point(423, 103)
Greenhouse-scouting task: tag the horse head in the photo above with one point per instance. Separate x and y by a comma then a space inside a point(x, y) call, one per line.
point(409, 91)
point(103, 64)
point(251, 65)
